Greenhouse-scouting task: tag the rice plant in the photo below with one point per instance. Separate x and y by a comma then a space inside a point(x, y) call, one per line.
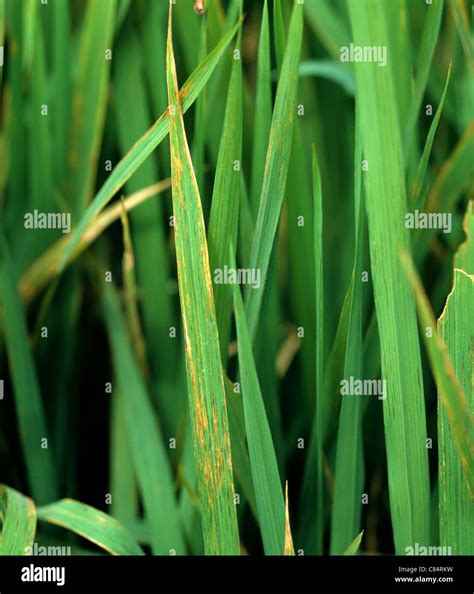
point(236, 277)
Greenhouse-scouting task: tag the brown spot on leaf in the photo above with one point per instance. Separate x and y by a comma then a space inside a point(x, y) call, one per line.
point(199, 7)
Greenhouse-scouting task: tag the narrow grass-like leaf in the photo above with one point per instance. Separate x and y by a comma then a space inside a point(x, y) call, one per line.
point(404, 418)
point(217, 88)
point(246, 225)
point(266, 478)
point(263, 111)
point(206, 393)
point(39, 136)
point(62, 87)
point(346, 510)
point(268, 337)
point(334, 372)
point(15, 130)
point(199, 142)
point(289, 548)
point(28, 402)
point(17, 522)
point(30, 20)
point(124, 504)
point(238, 441)
point(224, 218)
point(299, 208)
point(417, 186)
point(398, 44)
point(276, 167)
point(147, 143)
point(355, 544)
point(92, 524)
point(319, 304)
point(279, 33)
point(131, 299)
point(154, 57)
point(429, 38)
point(330, 70)
point(90, 99)
point(146, 445)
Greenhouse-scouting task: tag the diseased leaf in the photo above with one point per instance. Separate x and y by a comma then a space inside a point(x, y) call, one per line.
point(289, 549)
point(206, 393)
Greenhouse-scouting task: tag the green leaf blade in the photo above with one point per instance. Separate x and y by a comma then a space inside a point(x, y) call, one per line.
point(90, 99)
point(17, 521)
point(224, 217)
point(92, 524)
point(276, 167)
point(404, 418)
point(355, 544)
point(456, 328)
point(263, 462)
